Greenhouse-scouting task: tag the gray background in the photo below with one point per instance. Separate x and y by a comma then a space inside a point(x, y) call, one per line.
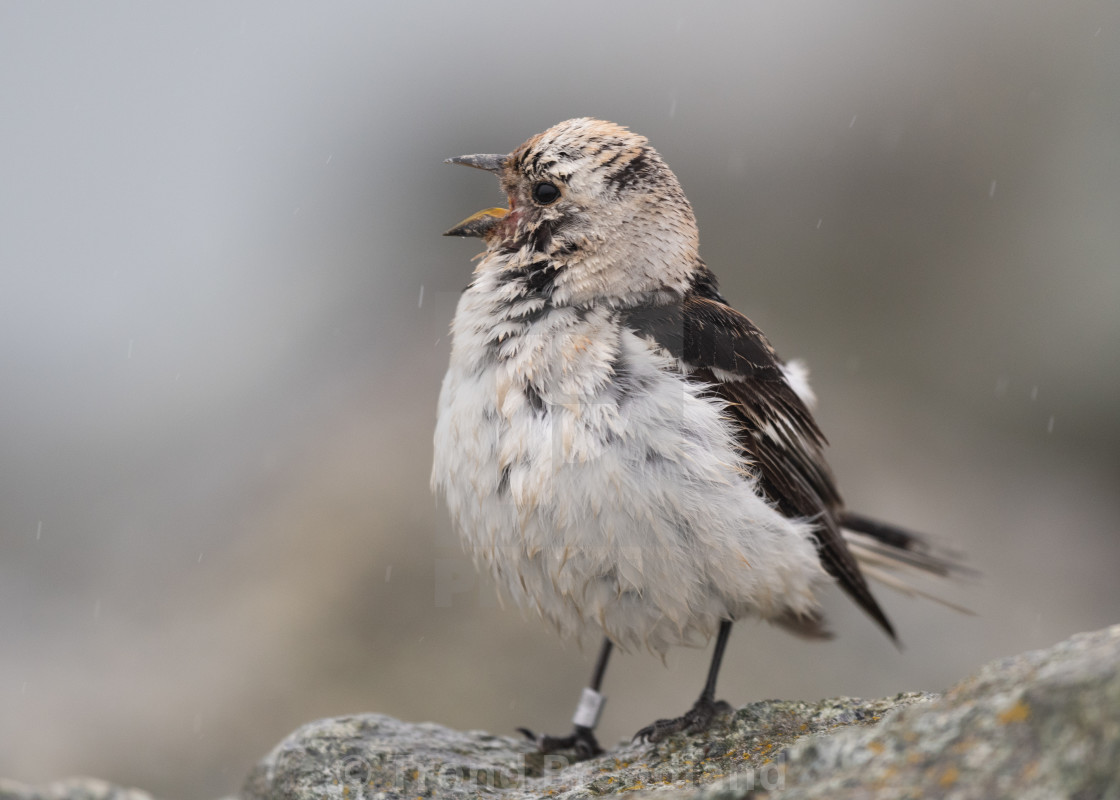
point(219, 375)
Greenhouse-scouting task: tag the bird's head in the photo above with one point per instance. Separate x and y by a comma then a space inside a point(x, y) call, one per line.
point(594, 207)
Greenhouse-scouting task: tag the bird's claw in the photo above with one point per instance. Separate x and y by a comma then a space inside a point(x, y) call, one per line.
point(581, 741)
point(696, 719)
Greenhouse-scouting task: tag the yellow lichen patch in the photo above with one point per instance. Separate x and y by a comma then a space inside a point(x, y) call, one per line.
point(949, 776)
point(886, 776)
point(876, 748)
point(1017, 713)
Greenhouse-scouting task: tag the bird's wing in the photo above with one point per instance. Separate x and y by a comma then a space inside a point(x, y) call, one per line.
point(722, 349)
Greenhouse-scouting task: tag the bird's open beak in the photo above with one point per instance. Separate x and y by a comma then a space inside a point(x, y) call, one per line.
point(491, 162)
point(480, 224)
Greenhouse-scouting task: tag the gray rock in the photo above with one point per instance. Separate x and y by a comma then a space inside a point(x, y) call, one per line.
point(375, 756)
point(1042, 725)
point(1045, 724)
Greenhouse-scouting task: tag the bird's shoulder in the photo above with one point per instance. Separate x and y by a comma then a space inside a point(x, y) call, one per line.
point(716, 345)
point(703, 330)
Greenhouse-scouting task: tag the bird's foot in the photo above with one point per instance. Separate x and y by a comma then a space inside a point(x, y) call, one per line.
point(581, 741)
point(696, 719)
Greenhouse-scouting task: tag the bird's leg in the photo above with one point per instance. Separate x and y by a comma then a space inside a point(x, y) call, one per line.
point(700, 716)
point(582, 738)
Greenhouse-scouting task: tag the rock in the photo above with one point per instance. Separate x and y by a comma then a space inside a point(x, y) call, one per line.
point(1042, 725)
point(70, 789)
point(373, 756)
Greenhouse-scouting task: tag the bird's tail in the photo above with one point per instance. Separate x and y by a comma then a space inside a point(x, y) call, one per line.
point(900, 558)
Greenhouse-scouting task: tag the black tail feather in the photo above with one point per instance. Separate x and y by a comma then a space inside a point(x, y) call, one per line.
point(887, 534)
point(916, 549)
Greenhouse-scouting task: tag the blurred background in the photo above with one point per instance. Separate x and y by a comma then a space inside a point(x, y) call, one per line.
point(223, 311)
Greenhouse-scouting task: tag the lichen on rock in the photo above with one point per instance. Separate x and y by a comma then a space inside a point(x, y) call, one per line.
point(373, 755)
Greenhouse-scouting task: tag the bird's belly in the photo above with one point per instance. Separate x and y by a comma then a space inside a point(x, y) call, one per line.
point(629, 516)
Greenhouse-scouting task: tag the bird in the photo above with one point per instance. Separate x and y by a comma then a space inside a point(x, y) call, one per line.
point(624, 452)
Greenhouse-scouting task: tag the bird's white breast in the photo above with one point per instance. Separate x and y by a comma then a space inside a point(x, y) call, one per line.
point(599, 486)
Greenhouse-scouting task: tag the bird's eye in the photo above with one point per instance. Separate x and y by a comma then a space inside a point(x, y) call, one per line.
point(545, 193)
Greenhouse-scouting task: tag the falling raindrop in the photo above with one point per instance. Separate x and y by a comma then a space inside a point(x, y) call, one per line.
point(420, 303)
point(992, 189)
point(852, 124)
point(39, 531)
point(388, 573)
point(1050, 425)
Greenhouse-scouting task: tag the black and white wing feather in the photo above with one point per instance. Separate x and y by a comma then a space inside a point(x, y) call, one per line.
point(722, 349)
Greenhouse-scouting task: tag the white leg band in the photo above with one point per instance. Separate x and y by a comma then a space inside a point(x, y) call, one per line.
point(589, 708)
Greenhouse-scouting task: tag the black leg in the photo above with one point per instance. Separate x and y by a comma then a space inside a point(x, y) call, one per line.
point(717, 660)
point(700, 716)
point(582, 738)
point(601, 663)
